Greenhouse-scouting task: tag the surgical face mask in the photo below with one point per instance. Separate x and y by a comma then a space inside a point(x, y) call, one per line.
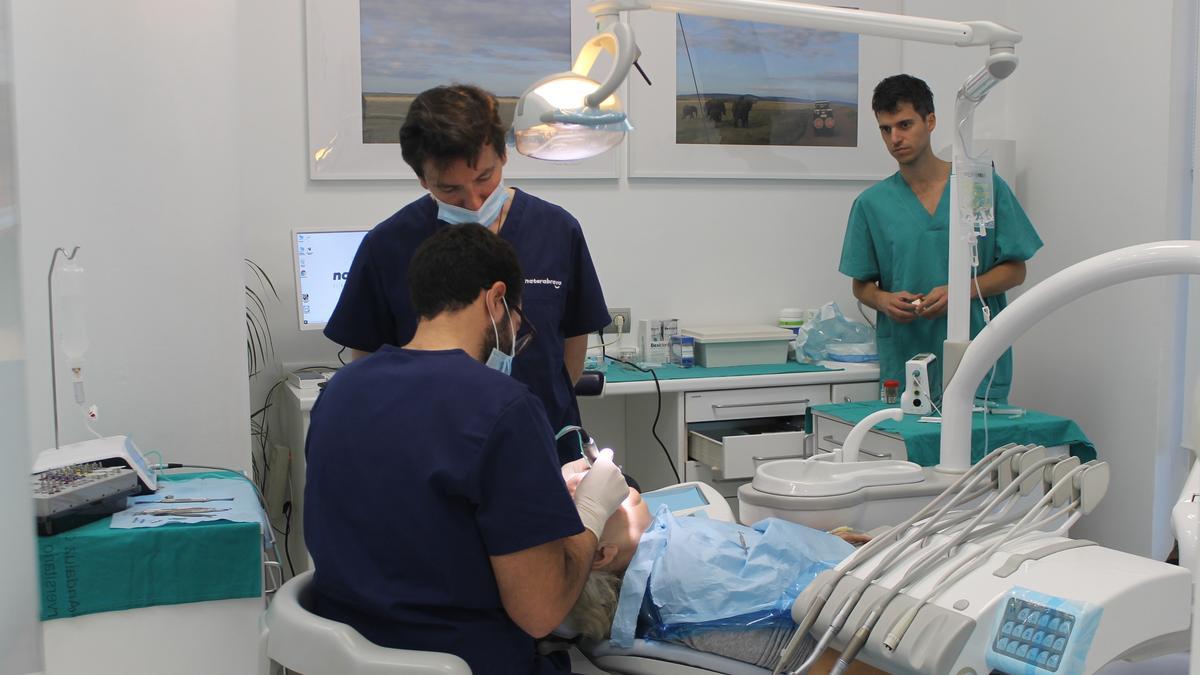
point(498, 360)
point(486, 215)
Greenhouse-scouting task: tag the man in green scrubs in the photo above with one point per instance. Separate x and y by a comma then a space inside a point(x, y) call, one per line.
point(896, 244)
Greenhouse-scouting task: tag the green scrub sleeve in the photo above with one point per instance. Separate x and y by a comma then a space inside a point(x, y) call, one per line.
point(1016, 239)
point(858, 250)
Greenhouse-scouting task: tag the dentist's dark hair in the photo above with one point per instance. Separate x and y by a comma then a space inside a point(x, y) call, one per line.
point(449, 123)
point(897, 89)
point(450, 268)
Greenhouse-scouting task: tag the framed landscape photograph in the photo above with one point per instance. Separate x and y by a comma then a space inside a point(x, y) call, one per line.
point(368, 59)
point(739, 99)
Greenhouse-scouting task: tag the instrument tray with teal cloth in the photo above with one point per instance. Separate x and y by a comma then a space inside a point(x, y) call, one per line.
point(97, 569)
point(923, 440)
point(618, 372)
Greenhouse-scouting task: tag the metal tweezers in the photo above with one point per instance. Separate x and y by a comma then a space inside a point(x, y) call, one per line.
point(182, 500)
point(187, 511)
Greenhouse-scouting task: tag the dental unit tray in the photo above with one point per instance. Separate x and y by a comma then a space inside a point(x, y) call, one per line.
point(1001, 593)
point(67, 497)
point(1146, 611)
point(109, 451)
point(83, 482)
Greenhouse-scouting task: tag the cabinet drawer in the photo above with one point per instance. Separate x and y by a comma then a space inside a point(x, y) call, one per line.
point(855, 391)
point(733, 449)
point(831, 433)
point(736, 404)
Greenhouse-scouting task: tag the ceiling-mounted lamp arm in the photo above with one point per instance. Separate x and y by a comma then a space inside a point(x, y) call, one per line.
point(617, 39)
point(818, 17)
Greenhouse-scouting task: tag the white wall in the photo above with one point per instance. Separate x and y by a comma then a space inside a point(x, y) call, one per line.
point(127, 148)
point(700, 250)
point(1101, 110)
point(20, 631)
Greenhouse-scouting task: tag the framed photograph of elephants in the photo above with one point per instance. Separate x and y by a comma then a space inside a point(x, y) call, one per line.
point(756, 100)
point(368, 59)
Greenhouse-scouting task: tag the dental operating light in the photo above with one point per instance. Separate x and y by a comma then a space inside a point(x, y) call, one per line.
point(583, 122)
point(569, 116)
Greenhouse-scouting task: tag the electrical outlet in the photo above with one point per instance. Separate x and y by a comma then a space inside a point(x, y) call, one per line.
point(614, 312)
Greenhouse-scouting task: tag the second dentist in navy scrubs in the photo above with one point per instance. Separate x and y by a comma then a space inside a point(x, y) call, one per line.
point(453, 139)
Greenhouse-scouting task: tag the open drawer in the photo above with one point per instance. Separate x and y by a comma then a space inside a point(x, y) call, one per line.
point(733, 448)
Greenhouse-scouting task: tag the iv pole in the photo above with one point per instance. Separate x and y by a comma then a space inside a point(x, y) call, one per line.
point(50, 302)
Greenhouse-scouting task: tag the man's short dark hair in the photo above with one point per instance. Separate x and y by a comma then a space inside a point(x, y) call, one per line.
point(445, 124)
point(897, 89)
point(450, 268)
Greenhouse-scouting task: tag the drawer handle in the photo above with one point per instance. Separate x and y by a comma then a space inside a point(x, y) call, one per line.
point(721, 406)
point(876, 455)
point(758, 460)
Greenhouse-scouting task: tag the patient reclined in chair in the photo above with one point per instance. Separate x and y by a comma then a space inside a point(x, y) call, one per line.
point(712, 586)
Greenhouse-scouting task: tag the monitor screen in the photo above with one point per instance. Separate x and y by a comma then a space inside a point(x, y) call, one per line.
point(322, 261)
point(676, 499)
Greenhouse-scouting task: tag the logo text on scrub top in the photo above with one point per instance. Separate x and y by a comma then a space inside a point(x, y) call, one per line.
point(544, 282)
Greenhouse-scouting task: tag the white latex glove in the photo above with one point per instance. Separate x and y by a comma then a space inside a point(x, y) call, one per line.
point(600, 493)
point(576, 467)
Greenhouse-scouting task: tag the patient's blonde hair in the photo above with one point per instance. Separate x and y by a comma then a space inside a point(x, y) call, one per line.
point(593, 613)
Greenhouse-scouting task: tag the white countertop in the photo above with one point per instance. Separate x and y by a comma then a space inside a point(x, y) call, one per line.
point(850, 372)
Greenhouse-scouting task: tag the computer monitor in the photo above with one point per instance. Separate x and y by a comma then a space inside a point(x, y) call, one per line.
point(321, 258)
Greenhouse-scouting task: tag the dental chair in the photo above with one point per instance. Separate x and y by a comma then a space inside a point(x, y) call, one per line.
point(301, 641)
point(648, 657)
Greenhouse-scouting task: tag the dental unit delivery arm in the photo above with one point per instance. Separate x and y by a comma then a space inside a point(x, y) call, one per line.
point(1107, 269)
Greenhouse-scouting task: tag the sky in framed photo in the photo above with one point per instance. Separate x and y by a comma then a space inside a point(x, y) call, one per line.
point(408, 47)
point(748, 83)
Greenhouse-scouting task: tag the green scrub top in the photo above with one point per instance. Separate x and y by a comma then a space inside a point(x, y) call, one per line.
point(892, 239)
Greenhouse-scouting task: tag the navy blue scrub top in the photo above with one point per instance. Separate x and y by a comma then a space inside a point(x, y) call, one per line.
point(421, 465)
point(562, 295)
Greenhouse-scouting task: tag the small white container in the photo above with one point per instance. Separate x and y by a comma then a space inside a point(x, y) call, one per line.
point(740, 345)
point(791, 318)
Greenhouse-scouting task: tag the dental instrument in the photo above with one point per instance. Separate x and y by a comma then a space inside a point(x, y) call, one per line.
point(949, 594)
point(918, 568)
point(939, 506)
point(933, 559)
point(587, 448)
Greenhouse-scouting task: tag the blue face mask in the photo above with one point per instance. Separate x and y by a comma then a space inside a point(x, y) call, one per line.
point(486, 215)
point(498, 360)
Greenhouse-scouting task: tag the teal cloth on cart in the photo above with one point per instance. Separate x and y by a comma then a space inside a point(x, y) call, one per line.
point(924, 440)
point(619, 373)
point(97, 569)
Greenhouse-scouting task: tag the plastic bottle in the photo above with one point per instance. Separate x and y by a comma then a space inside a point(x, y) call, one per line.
point(889, 391)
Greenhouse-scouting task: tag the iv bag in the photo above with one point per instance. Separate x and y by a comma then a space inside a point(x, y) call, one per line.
point(72, 333)
point(975, 202)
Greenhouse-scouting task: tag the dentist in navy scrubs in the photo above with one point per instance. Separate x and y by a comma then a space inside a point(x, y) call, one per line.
point(453, 139)
point(435, 509)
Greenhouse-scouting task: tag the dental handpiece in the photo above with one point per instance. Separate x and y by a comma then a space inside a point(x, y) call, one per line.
point(590, 452)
